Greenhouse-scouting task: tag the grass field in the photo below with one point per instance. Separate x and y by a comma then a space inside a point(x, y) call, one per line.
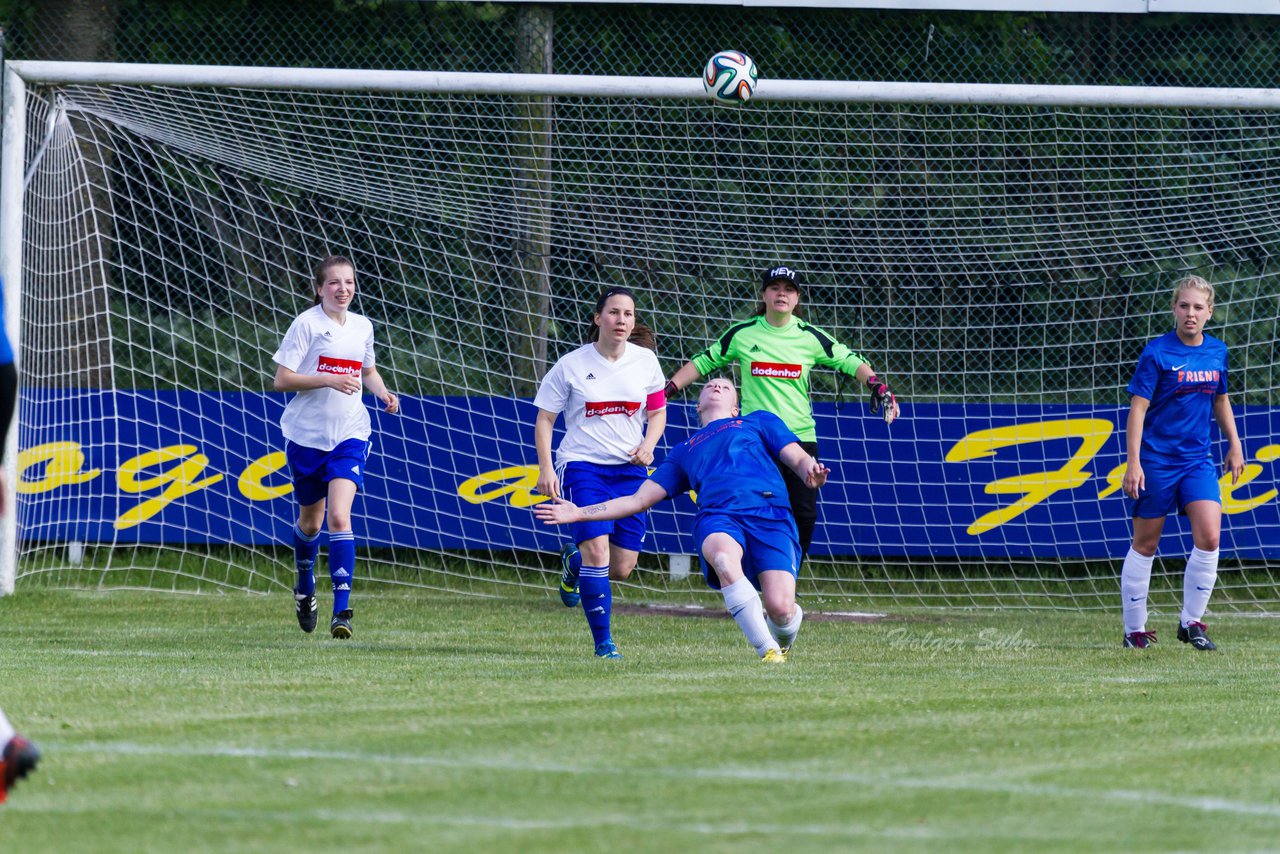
point(210, 723)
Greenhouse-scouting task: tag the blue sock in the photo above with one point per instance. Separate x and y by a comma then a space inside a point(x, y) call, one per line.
point(597, 600)
point(342, 567)
point(304, 558)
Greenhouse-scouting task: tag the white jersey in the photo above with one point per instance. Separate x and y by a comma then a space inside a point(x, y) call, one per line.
point(323, 418)
point(604, 403)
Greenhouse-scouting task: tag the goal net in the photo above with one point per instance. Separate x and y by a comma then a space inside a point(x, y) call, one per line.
point(999, 255)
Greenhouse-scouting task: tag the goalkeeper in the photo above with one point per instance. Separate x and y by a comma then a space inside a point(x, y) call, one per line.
point(775, 351)
point(746, 535)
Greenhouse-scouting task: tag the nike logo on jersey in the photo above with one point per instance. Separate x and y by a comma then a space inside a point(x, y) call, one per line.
point(1178, 367)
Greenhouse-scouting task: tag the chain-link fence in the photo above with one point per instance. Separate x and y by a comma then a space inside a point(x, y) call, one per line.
point(853, 44)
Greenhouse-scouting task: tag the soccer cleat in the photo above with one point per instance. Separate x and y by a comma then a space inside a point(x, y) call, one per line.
point(607, 649)
point(569, 576)
point(1194, 634)
point(340, 625)
point(307, 611)
point(1139, 640)
point(18, 760)
point(774, 656)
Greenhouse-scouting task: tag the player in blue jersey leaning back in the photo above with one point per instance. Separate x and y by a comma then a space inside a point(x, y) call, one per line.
point(1179, 384)
point(744, 529)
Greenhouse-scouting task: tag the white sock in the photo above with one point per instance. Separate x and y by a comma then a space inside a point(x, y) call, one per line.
point(6, 730)
point(1135, 581)
point(785, 635)
point(1197, 584)
point(744, 606)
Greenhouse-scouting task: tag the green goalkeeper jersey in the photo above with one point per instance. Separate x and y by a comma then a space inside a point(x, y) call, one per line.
point(774, 364)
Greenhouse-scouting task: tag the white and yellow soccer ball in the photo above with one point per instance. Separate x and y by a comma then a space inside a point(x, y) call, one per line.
point(730, 77)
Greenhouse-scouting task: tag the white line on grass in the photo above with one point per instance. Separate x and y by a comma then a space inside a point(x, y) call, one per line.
point(767, 775)
point(595, 821)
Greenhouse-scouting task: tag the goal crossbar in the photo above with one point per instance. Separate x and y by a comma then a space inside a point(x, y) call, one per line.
point(580, 85)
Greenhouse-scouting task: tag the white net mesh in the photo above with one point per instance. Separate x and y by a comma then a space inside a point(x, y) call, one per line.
point(1001, 268)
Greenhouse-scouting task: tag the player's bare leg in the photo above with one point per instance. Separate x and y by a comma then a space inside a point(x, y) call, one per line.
point(621, 562)
point(724, 555)
point(783, 614)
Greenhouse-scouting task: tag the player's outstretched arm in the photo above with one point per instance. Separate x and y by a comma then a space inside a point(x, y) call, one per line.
point(560, 512)
point(807, 468)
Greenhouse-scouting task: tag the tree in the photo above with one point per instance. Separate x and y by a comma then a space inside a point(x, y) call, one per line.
point(81, 30)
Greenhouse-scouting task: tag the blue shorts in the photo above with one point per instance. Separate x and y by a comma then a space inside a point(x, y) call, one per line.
point(591, 483)
point(767, 544)
point(312, 470)
point(1172, 484)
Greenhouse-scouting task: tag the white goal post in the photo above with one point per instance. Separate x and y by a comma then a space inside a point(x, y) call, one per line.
point(999, 253)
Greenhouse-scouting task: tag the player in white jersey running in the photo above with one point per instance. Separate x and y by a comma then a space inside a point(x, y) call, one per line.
point(606, 389)
point(327, 357)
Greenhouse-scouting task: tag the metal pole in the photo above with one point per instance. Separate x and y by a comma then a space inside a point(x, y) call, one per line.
point(12, 135)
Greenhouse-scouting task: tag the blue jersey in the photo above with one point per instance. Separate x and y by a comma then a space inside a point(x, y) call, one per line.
point(730, 464)
point(1181, 383)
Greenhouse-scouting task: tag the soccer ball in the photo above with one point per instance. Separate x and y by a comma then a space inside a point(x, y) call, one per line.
point(730, 77)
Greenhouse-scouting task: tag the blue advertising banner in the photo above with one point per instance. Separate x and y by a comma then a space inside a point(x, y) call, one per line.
point(993, 481)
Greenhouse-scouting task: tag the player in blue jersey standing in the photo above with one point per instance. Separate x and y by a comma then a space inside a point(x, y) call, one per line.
point(610, 391)
point(327, 358)
point(18, 756)
point(1179, 384)
point(746, 535)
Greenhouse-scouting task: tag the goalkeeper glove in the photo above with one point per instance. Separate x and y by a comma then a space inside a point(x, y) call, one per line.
point(882, 400)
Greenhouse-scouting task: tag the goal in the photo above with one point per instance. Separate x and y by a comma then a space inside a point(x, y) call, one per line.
point(999, 253)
